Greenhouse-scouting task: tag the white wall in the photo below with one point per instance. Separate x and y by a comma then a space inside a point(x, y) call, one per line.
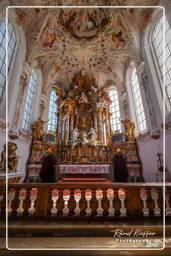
point(148, 149)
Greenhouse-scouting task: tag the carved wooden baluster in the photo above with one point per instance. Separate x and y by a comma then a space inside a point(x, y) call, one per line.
point(154, 195)
point(122, 196)
point(77, 197)
point(143, 196)
point(66, 197)
point(55, 196)
point(33, 197)
point(22, 196)
point(11, 196)
point(168, 209)
point(110, 196)
point(99, 197)
point(88, 197)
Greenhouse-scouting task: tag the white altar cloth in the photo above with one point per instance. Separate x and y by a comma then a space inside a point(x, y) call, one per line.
point(84, 169)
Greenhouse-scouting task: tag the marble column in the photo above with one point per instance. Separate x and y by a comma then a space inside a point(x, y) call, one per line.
point(107, 131)
point(71, 127)
point(100, 127)
point(66, 130)
point(59, 134)
point(96, 125)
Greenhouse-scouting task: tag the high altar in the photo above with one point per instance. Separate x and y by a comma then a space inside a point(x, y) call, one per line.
point(83, 145)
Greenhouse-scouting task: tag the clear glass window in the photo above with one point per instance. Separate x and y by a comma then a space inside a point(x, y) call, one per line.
point(115, 111)
point(11, 49)
point(158, 48)
point(29, 101)
point(52, 118)
point(138, 104)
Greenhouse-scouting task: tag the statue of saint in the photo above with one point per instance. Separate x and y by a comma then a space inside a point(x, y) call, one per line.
point(84, 138)
point(129, 127)
point(12, 158)
point(75, 136)
point(93, 135)
point(37, 130)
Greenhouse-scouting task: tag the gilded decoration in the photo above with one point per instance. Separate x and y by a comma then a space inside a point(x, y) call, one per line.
point(12, 158)
point(37, 130)
point(82, 103)
point(129, 128)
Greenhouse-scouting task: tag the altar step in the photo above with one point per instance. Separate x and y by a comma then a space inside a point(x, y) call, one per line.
point(85, 179)
point(71, 227)
point(45, 232)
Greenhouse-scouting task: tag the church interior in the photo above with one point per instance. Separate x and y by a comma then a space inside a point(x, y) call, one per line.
point(85, 126)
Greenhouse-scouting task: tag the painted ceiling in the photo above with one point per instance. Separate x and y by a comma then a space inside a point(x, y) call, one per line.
point(101, 41)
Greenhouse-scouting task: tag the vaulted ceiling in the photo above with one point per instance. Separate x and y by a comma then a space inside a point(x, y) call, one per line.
point(101, 41)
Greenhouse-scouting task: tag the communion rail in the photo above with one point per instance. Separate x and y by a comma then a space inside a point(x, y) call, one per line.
point(81, 200)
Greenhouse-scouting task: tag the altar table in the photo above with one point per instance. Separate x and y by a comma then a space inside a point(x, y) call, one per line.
point(84, 169)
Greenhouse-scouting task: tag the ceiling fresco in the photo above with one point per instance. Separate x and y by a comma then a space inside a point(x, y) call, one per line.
point(101, 41)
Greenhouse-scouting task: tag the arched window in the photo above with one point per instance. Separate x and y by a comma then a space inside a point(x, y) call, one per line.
point(115, 111)
point(52, 118)
point(11, 49)
point(157, 38)
point(138, 104)
point(29, 101)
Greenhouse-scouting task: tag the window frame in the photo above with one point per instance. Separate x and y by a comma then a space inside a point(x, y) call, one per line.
point(158, 71)
point(115, 117)
point(14, 49)
point(49, 105)
point(27, 100)
point(140, 104)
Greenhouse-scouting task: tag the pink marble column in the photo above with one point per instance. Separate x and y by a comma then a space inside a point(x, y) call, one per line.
point(107, 131)
point(66, 130)
point(100, 127)
point(96, 124)
point(71, 126)
point(59, 134)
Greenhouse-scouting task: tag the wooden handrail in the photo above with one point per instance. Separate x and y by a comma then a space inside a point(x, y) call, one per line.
point(83, 200)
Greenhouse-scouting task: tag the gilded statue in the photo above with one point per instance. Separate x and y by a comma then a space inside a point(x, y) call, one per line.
point(37, 130)
point(129, 128)
point(12, 158)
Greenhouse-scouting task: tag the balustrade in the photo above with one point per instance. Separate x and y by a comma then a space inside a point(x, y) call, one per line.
point(85, 200)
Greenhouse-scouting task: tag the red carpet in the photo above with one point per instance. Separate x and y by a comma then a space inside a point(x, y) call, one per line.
point(86, 180)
